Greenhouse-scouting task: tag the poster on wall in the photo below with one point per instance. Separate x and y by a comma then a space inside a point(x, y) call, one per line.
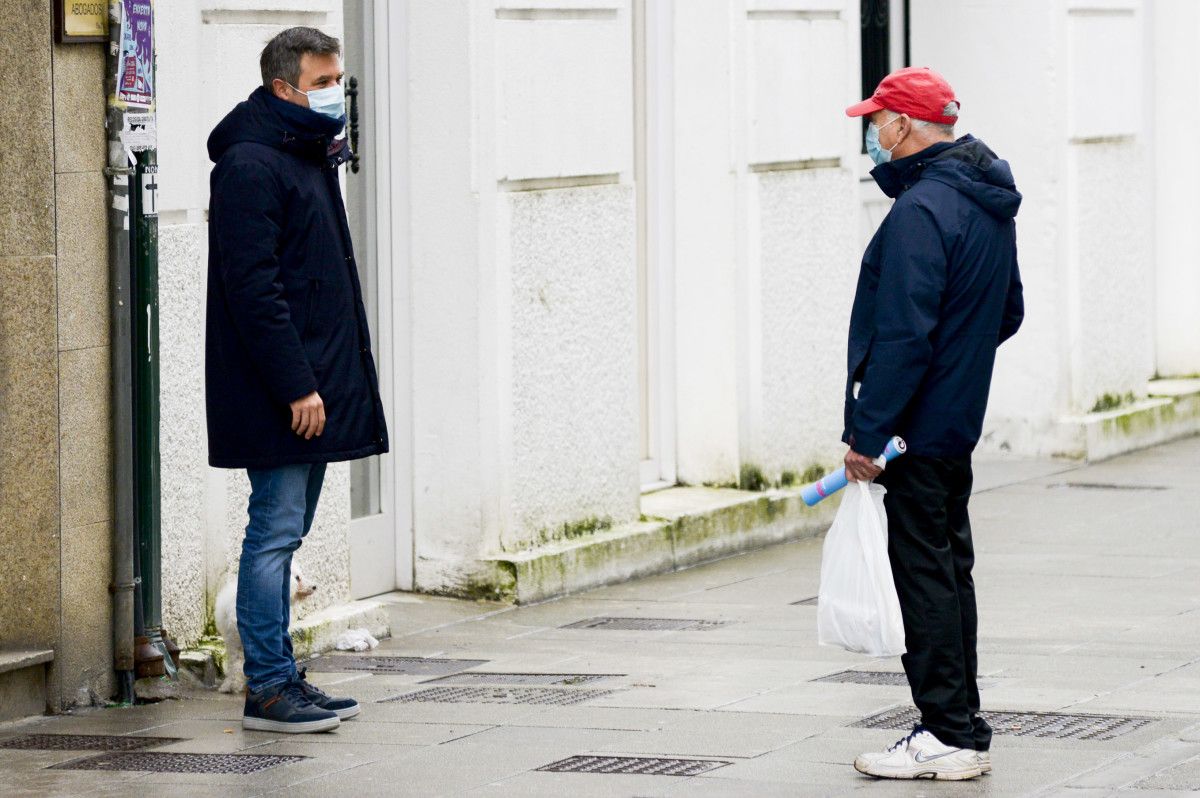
point(135, 75)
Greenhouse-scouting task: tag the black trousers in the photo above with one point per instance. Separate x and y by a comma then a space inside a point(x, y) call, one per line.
point(929, 543)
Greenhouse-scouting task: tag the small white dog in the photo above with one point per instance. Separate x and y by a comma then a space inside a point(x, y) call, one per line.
point(225, 610)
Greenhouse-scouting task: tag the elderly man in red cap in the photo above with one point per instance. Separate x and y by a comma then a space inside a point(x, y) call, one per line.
point(938, 292)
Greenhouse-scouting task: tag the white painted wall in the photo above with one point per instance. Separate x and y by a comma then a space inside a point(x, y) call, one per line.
point(1175, 28)
point(1072, 110)
point(705, 239)
point(798, 253)
point(574, 425)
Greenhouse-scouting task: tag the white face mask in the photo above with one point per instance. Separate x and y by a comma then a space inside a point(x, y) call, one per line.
point(330, 101)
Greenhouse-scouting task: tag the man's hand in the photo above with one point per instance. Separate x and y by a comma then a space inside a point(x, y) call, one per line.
point(308, 416)
point(860, 467)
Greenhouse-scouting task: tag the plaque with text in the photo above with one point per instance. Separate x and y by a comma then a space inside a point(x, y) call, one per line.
point(80, 21)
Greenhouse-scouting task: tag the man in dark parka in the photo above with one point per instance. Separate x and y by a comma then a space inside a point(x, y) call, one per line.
point(938, 292)
point(290, 383)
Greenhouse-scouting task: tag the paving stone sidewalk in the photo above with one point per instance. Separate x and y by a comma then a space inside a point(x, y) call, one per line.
point(1089, 583)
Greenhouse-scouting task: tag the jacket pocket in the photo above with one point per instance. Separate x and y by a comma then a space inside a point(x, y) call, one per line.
point(858, 357)
point(310, 308)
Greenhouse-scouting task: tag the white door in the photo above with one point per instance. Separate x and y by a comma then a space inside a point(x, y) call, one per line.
point(380, 528)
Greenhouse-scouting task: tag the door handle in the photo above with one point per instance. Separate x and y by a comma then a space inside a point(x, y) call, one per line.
point(352, 99)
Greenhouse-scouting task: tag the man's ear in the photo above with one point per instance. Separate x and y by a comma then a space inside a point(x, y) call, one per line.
point(280, 88)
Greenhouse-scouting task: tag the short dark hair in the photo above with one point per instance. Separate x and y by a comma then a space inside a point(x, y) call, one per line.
point(281, 57)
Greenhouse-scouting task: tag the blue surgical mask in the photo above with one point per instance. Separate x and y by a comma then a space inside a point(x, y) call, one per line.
point(878, 154)
point(330, 102)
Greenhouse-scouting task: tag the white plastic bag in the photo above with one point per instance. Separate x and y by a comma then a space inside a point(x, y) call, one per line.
point(857, 608)
point(355, 640)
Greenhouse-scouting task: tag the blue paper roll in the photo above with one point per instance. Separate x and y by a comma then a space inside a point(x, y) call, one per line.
point(830, 484)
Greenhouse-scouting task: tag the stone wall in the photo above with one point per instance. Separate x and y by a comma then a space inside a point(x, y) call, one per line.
point(55, 410)
point(29, 344)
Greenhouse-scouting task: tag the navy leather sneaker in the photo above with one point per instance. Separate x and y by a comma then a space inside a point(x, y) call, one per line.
point(285, 708)
point(345, 708)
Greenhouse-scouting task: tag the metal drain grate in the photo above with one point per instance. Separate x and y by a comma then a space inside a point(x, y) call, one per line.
point(500, 695)
point(808, 602)
point(889, 678)
point(559, 679)
point(646, 624)
point(408, 666)
point(640, 765)
point(164, 762)
point(84, 742)
point(1105, 486)
point(1056, 725)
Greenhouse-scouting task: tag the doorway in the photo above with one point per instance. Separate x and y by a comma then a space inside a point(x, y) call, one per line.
point(884, 47)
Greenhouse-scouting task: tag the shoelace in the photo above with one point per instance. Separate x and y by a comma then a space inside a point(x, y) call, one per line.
point(294, 692)
point(308, 688)
point(904, 742)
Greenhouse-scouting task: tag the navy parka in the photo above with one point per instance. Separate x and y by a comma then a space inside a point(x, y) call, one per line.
point(285, 309)
point(938, 292)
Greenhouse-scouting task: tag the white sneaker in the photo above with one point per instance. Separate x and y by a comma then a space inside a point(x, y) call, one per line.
point(920, 755)
point(985, 761)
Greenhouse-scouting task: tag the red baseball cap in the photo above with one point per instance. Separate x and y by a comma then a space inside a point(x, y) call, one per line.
point(917, 91)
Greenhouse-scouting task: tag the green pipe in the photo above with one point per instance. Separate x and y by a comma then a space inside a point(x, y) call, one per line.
point(146, 389)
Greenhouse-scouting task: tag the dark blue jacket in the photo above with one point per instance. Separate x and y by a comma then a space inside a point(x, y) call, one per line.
point(285, 309)
point(938, 292)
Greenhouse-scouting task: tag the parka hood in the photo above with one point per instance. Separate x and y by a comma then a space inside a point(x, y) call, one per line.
point(967, 165)
point(263, 118)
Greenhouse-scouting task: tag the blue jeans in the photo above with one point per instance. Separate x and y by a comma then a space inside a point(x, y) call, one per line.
point(282, 504)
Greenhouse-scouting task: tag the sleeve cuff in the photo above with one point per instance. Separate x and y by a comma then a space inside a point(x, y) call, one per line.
point(869, 444)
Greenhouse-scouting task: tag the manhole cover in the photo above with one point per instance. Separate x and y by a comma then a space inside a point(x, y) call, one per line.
point(84, 742)
point(559, 679)
point(641, 765)
point(1105, 486)
point(808, 602)
point(1057, 725)
point(411, 666)
point(499, 695)
point(890, 678)
point(164, 762)
point(646, 624)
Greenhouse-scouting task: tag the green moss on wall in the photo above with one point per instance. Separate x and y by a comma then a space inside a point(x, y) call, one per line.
point(751, 477)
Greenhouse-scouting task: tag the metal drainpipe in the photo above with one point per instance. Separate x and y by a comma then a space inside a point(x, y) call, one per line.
point(118, 173)
point(145, 397)
point(139, 647)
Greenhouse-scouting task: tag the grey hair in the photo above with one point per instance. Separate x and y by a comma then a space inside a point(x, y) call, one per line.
point(934, 127)
point(281, 57)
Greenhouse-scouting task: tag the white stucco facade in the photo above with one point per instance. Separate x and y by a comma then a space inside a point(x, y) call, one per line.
point(578, 200)
point(1083, 110)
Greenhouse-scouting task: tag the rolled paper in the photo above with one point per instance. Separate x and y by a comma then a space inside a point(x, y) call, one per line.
point(830, 484)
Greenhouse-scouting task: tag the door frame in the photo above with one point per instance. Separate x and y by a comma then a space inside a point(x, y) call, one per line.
point(384, 148)
point(654, 137)
point(391, 49)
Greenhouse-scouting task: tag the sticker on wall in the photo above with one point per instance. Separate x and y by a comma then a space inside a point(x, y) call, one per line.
point(135, 65)
point(140, 132)
point(150, 191)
